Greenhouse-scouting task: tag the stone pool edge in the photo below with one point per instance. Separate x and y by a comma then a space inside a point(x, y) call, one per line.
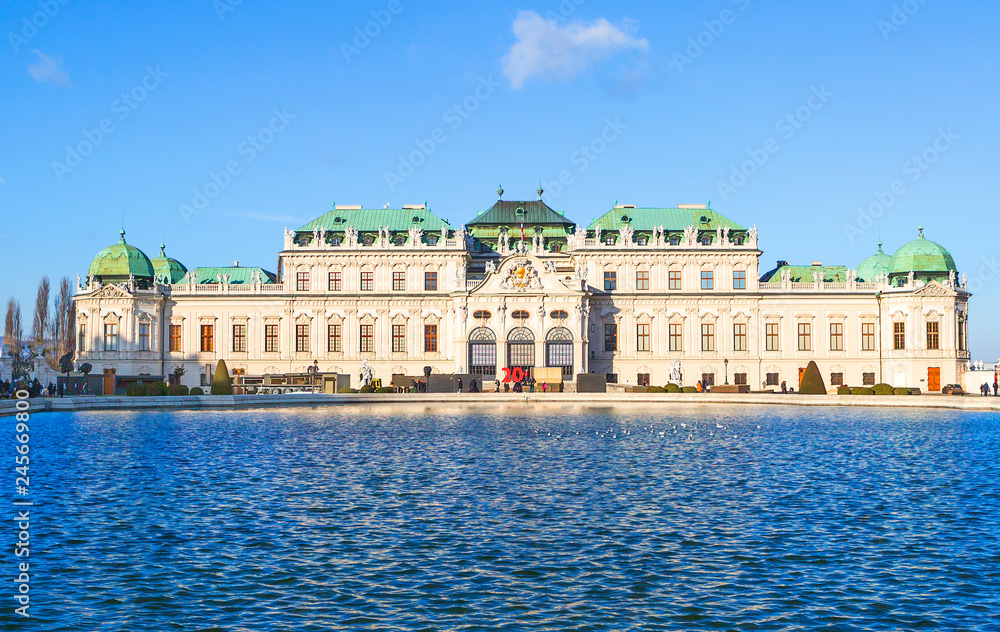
point(222, 402)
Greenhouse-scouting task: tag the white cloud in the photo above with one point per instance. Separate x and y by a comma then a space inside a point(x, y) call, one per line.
point(48, 70)
point(548, 49)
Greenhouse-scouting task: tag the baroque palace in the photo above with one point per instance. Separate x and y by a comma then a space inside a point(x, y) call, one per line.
point(629, 296)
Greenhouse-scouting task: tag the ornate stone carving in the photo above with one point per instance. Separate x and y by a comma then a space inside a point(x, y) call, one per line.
point(521, 276)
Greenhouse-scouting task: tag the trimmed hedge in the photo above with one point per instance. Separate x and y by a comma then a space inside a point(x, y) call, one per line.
point(385, 389)
point(156, 389)
point(347, 390)
point(844, 390)
point(689, 389)
point(812, 381)
point(177, 390)
point(672, 388)
point(222, 384)
point(656, 389)
point(864, 390)
point(197, 390)
point(902, 391)
point(137, 389)
point(883, 389)
point(367, 388)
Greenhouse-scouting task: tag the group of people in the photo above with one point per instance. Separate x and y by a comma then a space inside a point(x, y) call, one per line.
point(519, 386)
point(985, 388)
point(9, 389)
point(473, 386)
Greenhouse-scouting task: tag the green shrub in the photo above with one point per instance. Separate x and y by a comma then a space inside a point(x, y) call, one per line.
point(812, 381)
point(672, 388)
point(864, 390)
point(347, 390)
point(222, 384)
point(902, 391)
point(385, 389)
point(177, 390)
point(367, 388)
point(137, 389)
point(689, 389)
point(197, 390)
point(844, 390)
point(156, 389)
point(883, 389)
point(656, 389)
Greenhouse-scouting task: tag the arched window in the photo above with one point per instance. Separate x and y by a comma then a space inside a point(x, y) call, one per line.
point(483, 352)
point(482, 315)
point(521, 349)
point(520, 314)
point(559, 350)
point(559, 314)
point(368, 240)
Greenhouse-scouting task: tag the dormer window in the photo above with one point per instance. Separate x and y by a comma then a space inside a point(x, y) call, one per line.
point(739, 240)
point(400, 240)
point(432, 240)
point(335, 241)
point(675, 240)
point(368, 240)
point(706, 240)
point(642, 240)
point(609, 240)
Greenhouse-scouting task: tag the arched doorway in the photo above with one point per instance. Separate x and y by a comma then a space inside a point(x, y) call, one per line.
point(521, 349)
point(483, 353)
point(559, 350)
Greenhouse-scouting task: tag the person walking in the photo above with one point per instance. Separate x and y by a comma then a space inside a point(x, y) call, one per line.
point(784, 386)
point(459, 385)
point(498, 386)
point(996, 387)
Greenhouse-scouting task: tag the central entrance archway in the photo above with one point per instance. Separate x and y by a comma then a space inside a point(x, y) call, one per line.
point(521, 349)
point(483, 353)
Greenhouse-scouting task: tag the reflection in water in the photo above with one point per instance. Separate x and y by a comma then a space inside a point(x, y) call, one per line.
point(516, 516)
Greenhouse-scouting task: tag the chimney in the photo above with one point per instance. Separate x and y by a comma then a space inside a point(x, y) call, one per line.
point(236, 264)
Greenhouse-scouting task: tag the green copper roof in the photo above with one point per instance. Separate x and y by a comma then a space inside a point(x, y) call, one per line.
point(922, 256)
point(121, 260)
point(237, 276)
point(672, 219)
point(874, 266)
point(370, 220)
point(170, 270)
point(805, 274)
point(512, 213)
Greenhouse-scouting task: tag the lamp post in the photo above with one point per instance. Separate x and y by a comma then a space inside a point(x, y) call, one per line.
point(726, 362)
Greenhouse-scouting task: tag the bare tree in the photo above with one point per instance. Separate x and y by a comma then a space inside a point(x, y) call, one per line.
point(40, 324)
point(13, 338)
point(66, 319)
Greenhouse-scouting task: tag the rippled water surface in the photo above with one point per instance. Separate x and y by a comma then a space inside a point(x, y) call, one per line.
point(516, 518)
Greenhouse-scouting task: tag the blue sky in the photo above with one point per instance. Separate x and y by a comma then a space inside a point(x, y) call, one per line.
point(276, 110)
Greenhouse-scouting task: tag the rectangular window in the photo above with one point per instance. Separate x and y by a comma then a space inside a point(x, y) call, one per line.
point(868, 336)
point(933, 336)
point(805, 337)
point(399, 281)
point(143, 336)
point(642, 337)
point(708, 379)
point(207, 338)
point(642, 280)
point(302, 338)
point(708, 337)
point(642, 379)
point(430, 281)
point(239, 338)
point(175, 338)
point(740, 337)
point(399, 338)
point(611, 337)
point(674, 280)
point(271, 338)
point(837, 379)
point(335, 283)
point(367, 281)
point(82, 346)
point(772, 379)
point(772, 339)
point(610, 281)
point(111, 337)
point(836, 336)
point(899, 336)
point(676, 331)
point(334, 339)
point(367, 338)
point(707, 280)
point(868, 379)
point(740, 379)
point(740, 280)
point(302, 282)
point(430, 338)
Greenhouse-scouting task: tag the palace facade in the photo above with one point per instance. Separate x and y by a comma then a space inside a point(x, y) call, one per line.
point(521, 285)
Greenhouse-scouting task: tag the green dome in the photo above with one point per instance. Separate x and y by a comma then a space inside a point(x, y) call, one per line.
point(929, 261)
point(121, 261)
point(168, 270)
point(874, 266)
